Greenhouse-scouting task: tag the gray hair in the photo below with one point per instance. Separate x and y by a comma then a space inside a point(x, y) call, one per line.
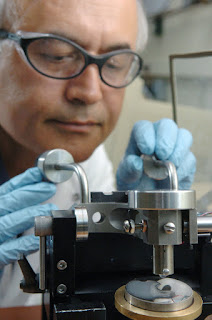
point(142, 27)
point(2, 3)
point(142, 21)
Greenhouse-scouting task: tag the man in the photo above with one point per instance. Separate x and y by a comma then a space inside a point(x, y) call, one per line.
point(56, 92)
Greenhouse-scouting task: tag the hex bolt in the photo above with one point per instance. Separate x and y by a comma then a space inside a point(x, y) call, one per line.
point(61, 289)
point(169, 227)
point(61, 265)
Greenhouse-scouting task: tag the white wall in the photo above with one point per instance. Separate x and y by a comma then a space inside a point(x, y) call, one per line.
point(188, 31)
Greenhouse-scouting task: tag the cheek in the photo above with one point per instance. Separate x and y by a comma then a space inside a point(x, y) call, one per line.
point(25, 93)
point(114, 106)
point(23, 100)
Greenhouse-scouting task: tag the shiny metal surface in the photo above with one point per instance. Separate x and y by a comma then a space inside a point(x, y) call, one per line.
point(182, 299)
point(43, 226)
point(204, 223)
point(169, 227)
point(163, 260)
point(74, 167)
point(61, 289)
point(82, 223)
point(163, 199)
point(135, 313)
point(58, 166)
point(47, 161)
point(160, 170)
point(62, 265)
point(153, 168)
point(172, 172)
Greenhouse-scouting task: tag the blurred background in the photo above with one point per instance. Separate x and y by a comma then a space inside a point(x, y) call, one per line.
point(175, 27)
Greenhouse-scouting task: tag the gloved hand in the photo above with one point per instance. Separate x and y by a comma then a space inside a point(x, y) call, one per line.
point(20, 200)
point(164, 139)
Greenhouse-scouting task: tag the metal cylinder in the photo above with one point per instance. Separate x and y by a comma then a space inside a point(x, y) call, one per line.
point(43, 226)
point(82, 223)
point(204, 223)
point(81, 176)
point(172, 173)
point(162, 199)
point(163, 260)
point(47, 161)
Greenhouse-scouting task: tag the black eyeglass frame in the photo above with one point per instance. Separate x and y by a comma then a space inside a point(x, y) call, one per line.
point(24, 39)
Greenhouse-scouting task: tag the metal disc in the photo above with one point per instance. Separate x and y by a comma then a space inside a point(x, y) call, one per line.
point(49, 161)
point(162, 199)
point(154, 168)
point(135, 313)
point(163, 295)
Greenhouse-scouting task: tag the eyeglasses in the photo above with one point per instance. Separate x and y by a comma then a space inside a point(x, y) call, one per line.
point(59, 58)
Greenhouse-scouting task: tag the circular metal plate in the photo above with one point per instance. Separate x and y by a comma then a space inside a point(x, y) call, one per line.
point(163, 199)
point(136, 313)
point(49, 159)
point(163, 295)
point(154, 168)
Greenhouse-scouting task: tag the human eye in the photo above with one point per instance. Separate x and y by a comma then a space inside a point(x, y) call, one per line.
point(115, 63)
point(53, 51)
point(56, 57)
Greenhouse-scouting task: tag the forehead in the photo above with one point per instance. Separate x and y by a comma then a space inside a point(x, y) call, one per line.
point(99, 21)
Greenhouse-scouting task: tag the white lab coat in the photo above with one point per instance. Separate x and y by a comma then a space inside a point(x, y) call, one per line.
point(100, 177)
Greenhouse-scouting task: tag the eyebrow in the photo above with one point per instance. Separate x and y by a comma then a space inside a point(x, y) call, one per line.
point(114, 47)
point(119, 46)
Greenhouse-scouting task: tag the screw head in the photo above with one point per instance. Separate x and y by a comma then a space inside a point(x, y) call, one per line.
point(169, 227)
point(61, 289)
point(129, 226)
point(61, 265)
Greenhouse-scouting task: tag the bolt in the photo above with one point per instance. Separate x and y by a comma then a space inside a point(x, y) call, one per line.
point(169, 227)
point(61, 265)
point(61, 289)
point(129, 226)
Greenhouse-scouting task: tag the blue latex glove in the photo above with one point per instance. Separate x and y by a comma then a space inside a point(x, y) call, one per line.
point(20, 200)
point(164, 139)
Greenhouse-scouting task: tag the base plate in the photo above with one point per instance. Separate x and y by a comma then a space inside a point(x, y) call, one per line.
point(135, 313)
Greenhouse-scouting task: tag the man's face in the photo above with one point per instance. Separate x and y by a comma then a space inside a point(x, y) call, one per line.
point(78, 114)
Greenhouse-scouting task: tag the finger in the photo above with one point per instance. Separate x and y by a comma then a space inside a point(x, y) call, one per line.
point(142, 139)
point(17, 222)
point(166, 136)
point(186, 172)
point(26, 196)
point(30, 176)
point(129, 172)
point(10, 251)
point(183, 144)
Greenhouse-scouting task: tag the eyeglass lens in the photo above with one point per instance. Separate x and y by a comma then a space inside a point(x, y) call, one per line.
point(60, 59)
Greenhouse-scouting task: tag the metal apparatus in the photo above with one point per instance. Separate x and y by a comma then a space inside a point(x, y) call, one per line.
point(91, 250)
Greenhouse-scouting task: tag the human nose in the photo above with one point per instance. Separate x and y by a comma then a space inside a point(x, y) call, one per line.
point(85, 88)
